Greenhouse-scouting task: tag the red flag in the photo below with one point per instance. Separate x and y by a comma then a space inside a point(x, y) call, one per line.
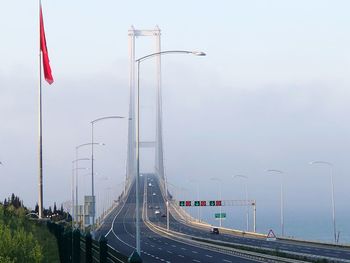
point(45, 54)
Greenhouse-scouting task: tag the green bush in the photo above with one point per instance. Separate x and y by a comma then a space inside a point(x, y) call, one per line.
point(19, 245)
point(24, 240)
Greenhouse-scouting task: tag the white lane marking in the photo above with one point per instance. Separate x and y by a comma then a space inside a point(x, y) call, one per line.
point(173, 245)
point(209, 256)
point(183, 248)
point(195, 260)
point(152, 245)
point(194, 252)
point(169, 252)
point(112, 230)
point(181, 256)
point(225, 260)
point(160, 248)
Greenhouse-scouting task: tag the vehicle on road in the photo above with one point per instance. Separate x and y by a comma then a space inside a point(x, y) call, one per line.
point(157, 212)
point(163, 215)
point(214, 230)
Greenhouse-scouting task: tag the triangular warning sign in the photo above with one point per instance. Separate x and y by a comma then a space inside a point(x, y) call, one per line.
point(271, 236)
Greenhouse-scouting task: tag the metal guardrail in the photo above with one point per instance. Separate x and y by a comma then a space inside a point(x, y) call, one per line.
point(245, 251)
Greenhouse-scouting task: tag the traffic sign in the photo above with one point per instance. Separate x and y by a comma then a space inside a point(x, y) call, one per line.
point(271, 236)
point(220, 215)
point(202, 203)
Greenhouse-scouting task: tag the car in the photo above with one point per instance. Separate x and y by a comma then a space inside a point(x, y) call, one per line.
point(214, 230)
point(149, 184)
point(157, 212)
point(154, 194)
point(163, 215)
point(150, 207)
point(156, 207)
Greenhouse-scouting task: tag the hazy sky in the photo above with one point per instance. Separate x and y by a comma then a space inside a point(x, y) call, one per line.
point(272, 93)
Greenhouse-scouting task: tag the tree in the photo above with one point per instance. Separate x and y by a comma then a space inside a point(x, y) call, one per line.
point(54, 208)
point(50, 211)
point(61, 210)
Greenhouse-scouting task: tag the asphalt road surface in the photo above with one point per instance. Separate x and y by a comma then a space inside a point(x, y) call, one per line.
point(119, 228)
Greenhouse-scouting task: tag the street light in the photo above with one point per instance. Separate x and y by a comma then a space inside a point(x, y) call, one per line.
point(332, 189)
point(246, 196)
point(92, 158)
point(75, 172)
point(220, 196)
point(82, 145)
point(282, 199)
point(138, 61)
point(197, 186)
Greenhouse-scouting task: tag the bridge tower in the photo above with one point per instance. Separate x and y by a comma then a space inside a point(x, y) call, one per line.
point(157, 144)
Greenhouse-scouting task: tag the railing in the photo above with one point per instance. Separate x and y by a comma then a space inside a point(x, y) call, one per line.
point(75, 247)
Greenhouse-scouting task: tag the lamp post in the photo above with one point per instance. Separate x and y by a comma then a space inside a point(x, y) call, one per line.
point(86, 144)
point(138, 61)
point(246, 196)
point(282, 198)
point(194, 181)
point(75, 172)
point(331, 166)
point(92, 158)
point(220, 197)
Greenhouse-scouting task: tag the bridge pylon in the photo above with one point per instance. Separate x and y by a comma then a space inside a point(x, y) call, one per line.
point(157, 144)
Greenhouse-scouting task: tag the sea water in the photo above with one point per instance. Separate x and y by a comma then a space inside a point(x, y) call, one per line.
point(306, 225)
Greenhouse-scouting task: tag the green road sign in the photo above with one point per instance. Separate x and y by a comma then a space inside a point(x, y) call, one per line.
point(220, 215)
point(182, 203)
point(196, 203)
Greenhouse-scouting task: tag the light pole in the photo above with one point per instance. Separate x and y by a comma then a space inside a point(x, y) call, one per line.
point(197, 186)
point(220, 197)
point(138, 61)
point(332, 190)
point(282, 198)
point(92, 160)
point(246, 196)
point(75, 172)
point(83, 145)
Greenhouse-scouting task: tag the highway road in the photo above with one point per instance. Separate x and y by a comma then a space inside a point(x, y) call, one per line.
point(119, 228)
point(155, 199)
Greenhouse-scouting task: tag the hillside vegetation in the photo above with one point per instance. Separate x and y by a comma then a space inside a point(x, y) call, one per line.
point(23, 239)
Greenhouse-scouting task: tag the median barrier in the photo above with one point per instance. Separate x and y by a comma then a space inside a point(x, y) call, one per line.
point(227, 247)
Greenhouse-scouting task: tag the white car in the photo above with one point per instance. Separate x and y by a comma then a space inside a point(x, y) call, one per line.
point(157, 212)
point(154, 194)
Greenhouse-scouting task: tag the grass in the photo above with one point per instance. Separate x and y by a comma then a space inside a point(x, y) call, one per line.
point(47, 241)
point(25, 240)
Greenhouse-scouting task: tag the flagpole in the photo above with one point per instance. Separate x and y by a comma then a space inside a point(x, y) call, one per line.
point(40, 202)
